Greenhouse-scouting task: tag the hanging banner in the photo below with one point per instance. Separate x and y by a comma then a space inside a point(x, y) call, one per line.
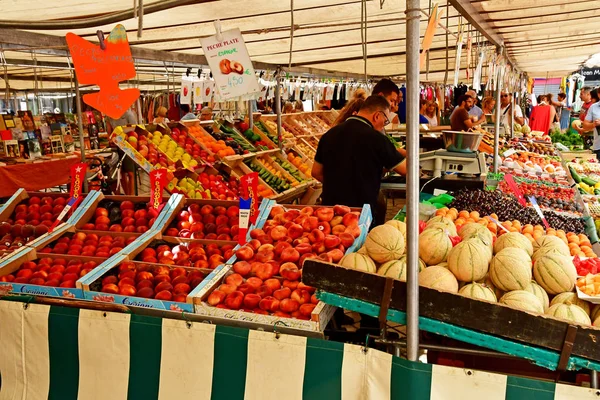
point(158, 180)
point(185, 94)
point(105, 68)
point(77, 178)
point(459, 45)
point(208, 91)
point(478, 72)
point(515, 189)
point(230, 64)
point(198, 87)
point(434, 20)
point(249, 190)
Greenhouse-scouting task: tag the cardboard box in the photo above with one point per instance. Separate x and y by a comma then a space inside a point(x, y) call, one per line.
point(320, 316)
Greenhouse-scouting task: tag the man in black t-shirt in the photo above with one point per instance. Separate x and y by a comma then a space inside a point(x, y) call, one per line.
point(352, 157)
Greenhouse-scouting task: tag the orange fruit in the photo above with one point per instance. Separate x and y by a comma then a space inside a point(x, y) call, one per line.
point(463, 214)
point(474, 215)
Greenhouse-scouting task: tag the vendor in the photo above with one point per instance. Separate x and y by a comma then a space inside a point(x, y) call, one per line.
point(206, 114)
point(506, 108)
point(352, 156)
point(460, 120)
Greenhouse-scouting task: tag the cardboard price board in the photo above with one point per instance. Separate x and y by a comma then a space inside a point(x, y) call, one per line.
point(230, 64)
point(105, 68)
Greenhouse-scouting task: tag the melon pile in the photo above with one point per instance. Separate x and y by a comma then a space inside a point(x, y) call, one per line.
point(536, 276)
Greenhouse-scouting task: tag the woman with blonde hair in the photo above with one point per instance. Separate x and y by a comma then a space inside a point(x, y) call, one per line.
point(352, 107)
point(487, 107)
point(161, 116)
point(431, 113)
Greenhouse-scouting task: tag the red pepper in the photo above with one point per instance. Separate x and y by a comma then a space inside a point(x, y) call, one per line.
point(455, 240)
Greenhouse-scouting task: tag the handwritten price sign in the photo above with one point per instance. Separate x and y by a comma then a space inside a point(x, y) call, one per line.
point(231, 65)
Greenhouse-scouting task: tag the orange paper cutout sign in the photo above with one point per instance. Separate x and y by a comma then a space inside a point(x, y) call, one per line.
point(105, 68)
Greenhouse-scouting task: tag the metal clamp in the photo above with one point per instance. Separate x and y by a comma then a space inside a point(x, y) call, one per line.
point(567, 349)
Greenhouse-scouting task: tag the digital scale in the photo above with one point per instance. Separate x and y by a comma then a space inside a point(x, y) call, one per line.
point(465, 164)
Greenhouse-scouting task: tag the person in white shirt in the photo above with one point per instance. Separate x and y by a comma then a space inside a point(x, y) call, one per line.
point(592, 122)
point(475, 111)
point(431, 113)
point(505, 109)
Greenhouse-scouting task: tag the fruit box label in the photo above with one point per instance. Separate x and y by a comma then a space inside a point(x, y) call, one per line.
point(36, 290)
point(139, 302)
point(133, 154)
point(205, 309)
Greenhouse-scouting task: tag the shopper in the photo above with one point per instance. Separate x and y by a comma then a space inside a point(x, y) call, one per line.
point(288, 108)
point(559, 107)
point(388, 89)
point(506, 108)
point(161, 116)
point(585, 94)
point(352, 157)
point(422, 109)
point(431, 113)
point(592, 123)
point(206, 114)
point(542, 115)
point(188, 115)
point(352, 107)
point(460, 120)
point(475, 111)
point(488, 106)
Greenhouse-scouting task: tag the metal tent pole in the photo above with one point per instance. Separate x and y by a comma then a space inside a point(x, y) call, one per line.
point(250, 116)
point(498, 113)
point(79, 119)
point(278, 105)
point(413, 19)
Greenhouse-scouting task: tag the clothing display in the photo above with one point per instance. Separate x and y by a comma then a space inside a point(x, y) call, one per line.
point(540, 118)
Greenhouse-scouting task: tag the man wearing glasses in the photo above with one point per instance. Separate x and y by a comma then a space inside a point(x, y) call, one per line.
point(352, 156)
point(506, 108)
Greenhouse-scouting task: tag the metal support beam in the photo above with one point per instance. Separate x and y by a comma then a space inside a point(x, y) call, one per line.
point(413, 19)
point(498, 116)
point(278, 107)
point(79, 120)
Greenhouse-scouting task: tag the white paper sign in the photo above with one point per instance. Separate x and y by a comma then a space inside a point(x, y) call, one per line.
point(231, 65)
point(207, 91)
point(198, 87)
point(186, 91)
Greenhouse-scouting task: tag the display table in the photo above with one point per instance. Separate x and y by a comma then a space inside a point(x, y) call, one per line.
point(71, 353)
point(36, 175)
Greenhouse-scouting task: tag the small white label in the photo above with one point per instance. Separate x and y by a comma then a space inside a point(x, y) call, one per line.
point(437, 192)
point(509, 153)
point(244, 218)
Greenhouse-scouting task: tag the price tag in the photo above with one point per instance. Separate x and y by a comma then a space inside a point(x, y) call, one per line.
point(244, 220)
point(71, 203)
point(538, 210)
point(499, 225)
point(508, 178)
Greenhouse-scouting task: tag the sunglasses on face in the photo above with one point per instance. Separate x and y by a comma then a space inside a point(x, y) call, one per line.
point(504, 95)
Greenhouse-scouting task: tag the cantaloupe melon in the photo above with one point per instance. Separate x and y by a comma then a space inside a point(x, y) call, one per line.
point(596, 322)
point(571, 298)
point(487, 281)
point(513, 239)
point(401, 226)
point(473, 230)
point(549, 245)
point(441, 220)
point(555, 273)
point(469, 260)
point(363, 250)
point(357, 261)
point(510, 269)
point(595, 312)
point(397, 268)
point(522, 300)
point(478, 291)
point(439, 278)
point(540, 293)
point(450, 229)
point(569, 312)
point(434, 246)
point(385, 243)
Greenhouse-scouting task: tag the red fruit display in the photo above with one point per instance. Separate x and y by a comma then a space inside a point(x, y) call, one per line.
point(125, 216)
point(51, 272)
point(88, 245)
point(186, 254)
point(150, 281)
point(197, 222)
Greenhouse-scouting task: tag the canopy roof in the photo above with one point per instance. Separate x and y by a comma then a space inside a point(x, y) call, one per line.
point(327, 35)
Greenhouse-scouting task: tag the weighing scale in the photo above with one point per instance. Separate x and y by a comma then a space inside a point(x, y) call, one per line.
point(465, 164)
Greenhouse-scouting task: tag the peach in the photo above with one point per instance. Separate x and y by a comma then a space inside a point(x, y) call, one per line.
point(234, 300)
point(251, 300)
point(316, 236)
point(301, 296)
point(216, 297)
point(279, 233)
point(309, 289)
point(282, 293)
point(310, 224)
point(164, 295)
point(319, 248)
point(341, 210)
point(336, 255)
point(127, 290)
point(290, 271)
point(324, 227)
point(266, 246)
point(354, 230)
point(162, 278)
point(182, 288)
point(254, 282)
point(273, 284)
point(303, 248)
point(276, 211)
point(307, 211)
point(245, 253)
point(110, 288)
point(254, 244)
point(313, 299)
point(324, 214)
point(346, 239)
point(325, 257)
point(269, 303)
point(350, 219)
point(281, 314)
point(337, 220)
point(234, 279)
point(274, 266)
point(305, 257)
point(289, 305)
point(144, 283)
point(263, 271)
point(280, 247)
point(161, 286)
point(256, 233)
point(289, 255)
point(264, 291)
point(265, 256)
point(338, 230)
point(300, 219)
point(215, 260)
point(246, 289)
point(332, 241)
point(265, 239)
point(242, 267)
point(295, 231)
